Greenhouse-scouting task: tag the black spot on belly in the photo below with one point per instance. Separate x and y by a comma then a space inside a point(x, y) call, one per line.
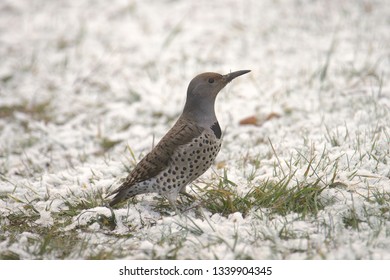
point(217, 130)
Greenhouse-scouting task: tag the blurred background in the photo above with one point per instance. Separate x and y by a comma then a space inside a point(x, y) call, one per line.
point(88, 87)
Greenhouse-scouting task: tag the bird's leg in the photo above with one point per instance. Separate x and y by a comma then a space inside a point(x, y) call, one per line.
point(184, 192)
point(190, 196)
point(172, 202)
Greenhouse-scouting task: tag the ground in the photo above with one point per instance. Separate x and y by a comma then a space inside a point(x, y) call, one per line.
point(88, 87)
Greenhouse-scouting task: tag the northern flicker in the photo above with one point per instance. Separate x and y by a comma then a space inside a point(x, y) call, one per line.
point(187, 150)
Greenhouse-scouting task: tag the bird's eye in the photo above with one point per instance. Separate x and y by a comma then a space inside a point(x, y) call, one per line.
point(211, 80)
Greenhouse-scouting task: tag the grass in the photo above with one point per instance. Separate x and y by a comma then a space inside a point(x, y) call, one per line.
point(305, 185)
point(304, 196)
point(41, 242)
point(38, 111)
point(278, 197)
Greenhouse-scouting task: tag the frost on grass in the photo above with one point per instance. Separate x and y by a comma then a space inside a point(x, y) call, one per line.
point(86, 93)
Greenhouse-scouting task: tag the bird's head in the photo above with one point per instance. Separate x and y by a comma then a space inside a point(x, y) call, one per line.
point(204, 88)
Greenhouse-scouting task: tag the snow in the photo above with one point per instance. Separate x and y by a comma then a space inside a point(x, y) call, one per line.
point(74, 73)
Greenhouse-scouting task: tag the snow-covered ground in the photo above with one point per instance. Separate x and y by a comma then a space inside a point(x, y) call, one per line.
point(84, 82)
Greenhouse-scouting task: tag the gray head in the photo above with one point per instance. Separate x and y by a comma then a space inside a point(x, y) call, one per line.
point(202, 92)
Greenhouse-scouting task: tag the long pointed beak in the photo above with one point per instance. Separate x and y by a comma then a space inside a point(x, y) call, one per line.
point(229, 77)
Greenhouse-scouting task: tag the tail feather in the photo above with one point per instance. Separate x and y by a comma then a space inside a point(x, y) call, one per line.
point(122, 193)
point(126, 191)
point(120, 196)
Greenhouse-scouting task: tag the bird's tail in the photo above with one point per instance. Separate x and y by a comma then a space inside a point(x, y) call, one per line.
point(125, 192)
point(120, 196)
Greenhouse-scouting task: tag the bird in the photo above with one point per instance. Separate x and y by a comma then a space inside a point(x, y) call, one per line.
point(186, 151)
